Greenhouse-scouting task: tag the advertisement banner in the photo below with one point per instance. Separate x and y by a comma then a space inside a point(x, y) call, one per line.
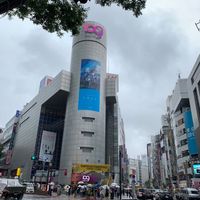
point(47, 146)
point(192, 146)
point(90, 173)
point(90, 167)
point(89, 93)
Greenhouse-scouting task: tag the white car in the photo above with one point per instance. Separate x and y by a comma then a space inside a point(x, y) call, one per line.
point(189, 194)
point(11, 188)
point(29, 188)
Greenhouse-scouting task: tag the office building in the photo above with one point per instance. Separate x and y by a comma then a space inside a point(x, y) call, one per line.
point(182, 123)
point(73, 125)
point(194, 98)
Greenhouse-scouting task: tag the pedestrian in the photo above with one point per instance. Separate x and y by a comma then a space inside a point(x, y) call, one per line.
point(112, 193)
point(123, 191)
point(58, 190)
point(107, 193)
point(67, 190)
point(98, 192)
point(51, 187)
point(130, 194)
point(102, 193)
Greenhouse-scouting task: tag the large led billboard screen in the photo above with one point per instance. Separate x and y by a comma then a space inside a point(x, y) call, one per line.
point(196, 169)
point(192, 146)
point(89, 93)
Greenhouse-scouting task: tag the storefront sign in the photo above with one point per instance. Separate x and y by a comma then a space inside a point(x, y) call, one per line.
point(90, 167)
point(91, 28)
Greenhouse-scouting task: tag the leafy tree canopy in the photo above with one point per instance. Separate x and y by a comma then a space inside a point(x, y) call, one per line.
point(65, 15)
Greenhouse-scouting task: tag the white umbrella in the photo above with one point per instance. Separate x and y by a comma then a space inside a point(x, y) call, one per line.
point(52, 183)
point(67, 187)
point(81, 183)
point(114, 185)
point(89, 185)
point(105, 186)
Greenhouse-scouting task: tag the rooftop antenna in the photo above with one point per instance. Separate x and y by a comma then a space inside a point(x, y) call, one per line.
point(198, 25)
point(179, 75)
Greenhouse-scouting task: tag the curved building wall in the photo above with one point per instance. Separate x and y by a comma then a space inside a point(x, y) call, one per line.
point(84, 131)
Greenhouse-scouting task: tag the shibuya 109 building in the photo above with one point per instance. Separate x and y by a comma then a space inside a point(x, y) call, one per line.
point(71, 130)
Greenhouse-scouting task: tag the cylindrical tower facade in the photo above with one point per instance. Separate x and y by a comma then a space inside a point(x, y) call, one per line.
point(84, 131)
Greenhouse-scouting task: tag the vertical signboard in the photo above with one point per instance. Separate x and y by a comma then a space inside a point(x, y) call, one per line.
point(47, 146)
point(89, 93)
point(192, 146)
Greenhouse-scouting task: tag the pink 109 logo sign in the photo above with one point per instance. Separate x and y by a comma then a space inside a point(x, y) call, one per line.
point(91, 28)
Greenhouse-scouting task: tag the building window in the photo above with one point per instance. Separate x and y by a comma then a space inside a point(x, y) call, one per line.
point(87, 149)
point(87, 133)
point(183, 142)
point(88, 119)
point(179, 156)
point(180, 122)
point(185, 153)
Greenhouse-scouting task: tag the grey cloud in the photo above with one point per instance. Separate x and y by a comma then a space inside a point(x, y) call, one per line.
point(147, 52)
point(44, 52)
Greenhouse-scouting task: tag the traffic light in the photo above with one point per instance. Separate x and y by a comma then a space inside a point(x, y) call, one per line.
point(33, 157)
point(18, 171)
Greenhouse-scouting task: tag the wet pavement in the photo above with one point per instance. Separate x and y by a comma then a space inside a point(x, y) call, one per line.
point(64, 197)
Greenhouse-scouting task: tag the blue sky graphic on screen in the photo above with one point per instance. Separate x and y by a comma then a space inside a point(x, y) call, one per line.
point(89, 93)
point(192, 146)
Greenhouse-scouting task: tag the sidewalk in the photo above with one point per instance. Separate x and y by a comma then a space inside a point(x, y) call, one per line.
point(62, 196)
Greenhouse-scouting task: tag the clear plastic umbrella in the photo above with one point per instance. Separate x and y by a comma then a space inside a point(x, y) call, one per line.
point(81, 183)
point(114, 185)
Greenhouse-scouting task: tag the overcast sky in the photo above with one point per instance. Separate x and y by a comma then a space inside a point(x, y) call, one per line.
point(147, 52)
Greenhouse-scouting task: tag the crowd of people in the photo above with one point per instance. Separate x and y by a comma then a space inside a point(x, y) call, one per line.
point(89, 190)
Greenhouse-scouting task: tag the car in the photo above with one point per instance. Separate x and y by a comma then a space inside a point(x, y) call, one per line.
point(178, 195)
point(165, 195)
point(140, 193)
point(148, 194)
point(188, 194)
point(144, 194)
point(29, 187)
point(11, 188)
